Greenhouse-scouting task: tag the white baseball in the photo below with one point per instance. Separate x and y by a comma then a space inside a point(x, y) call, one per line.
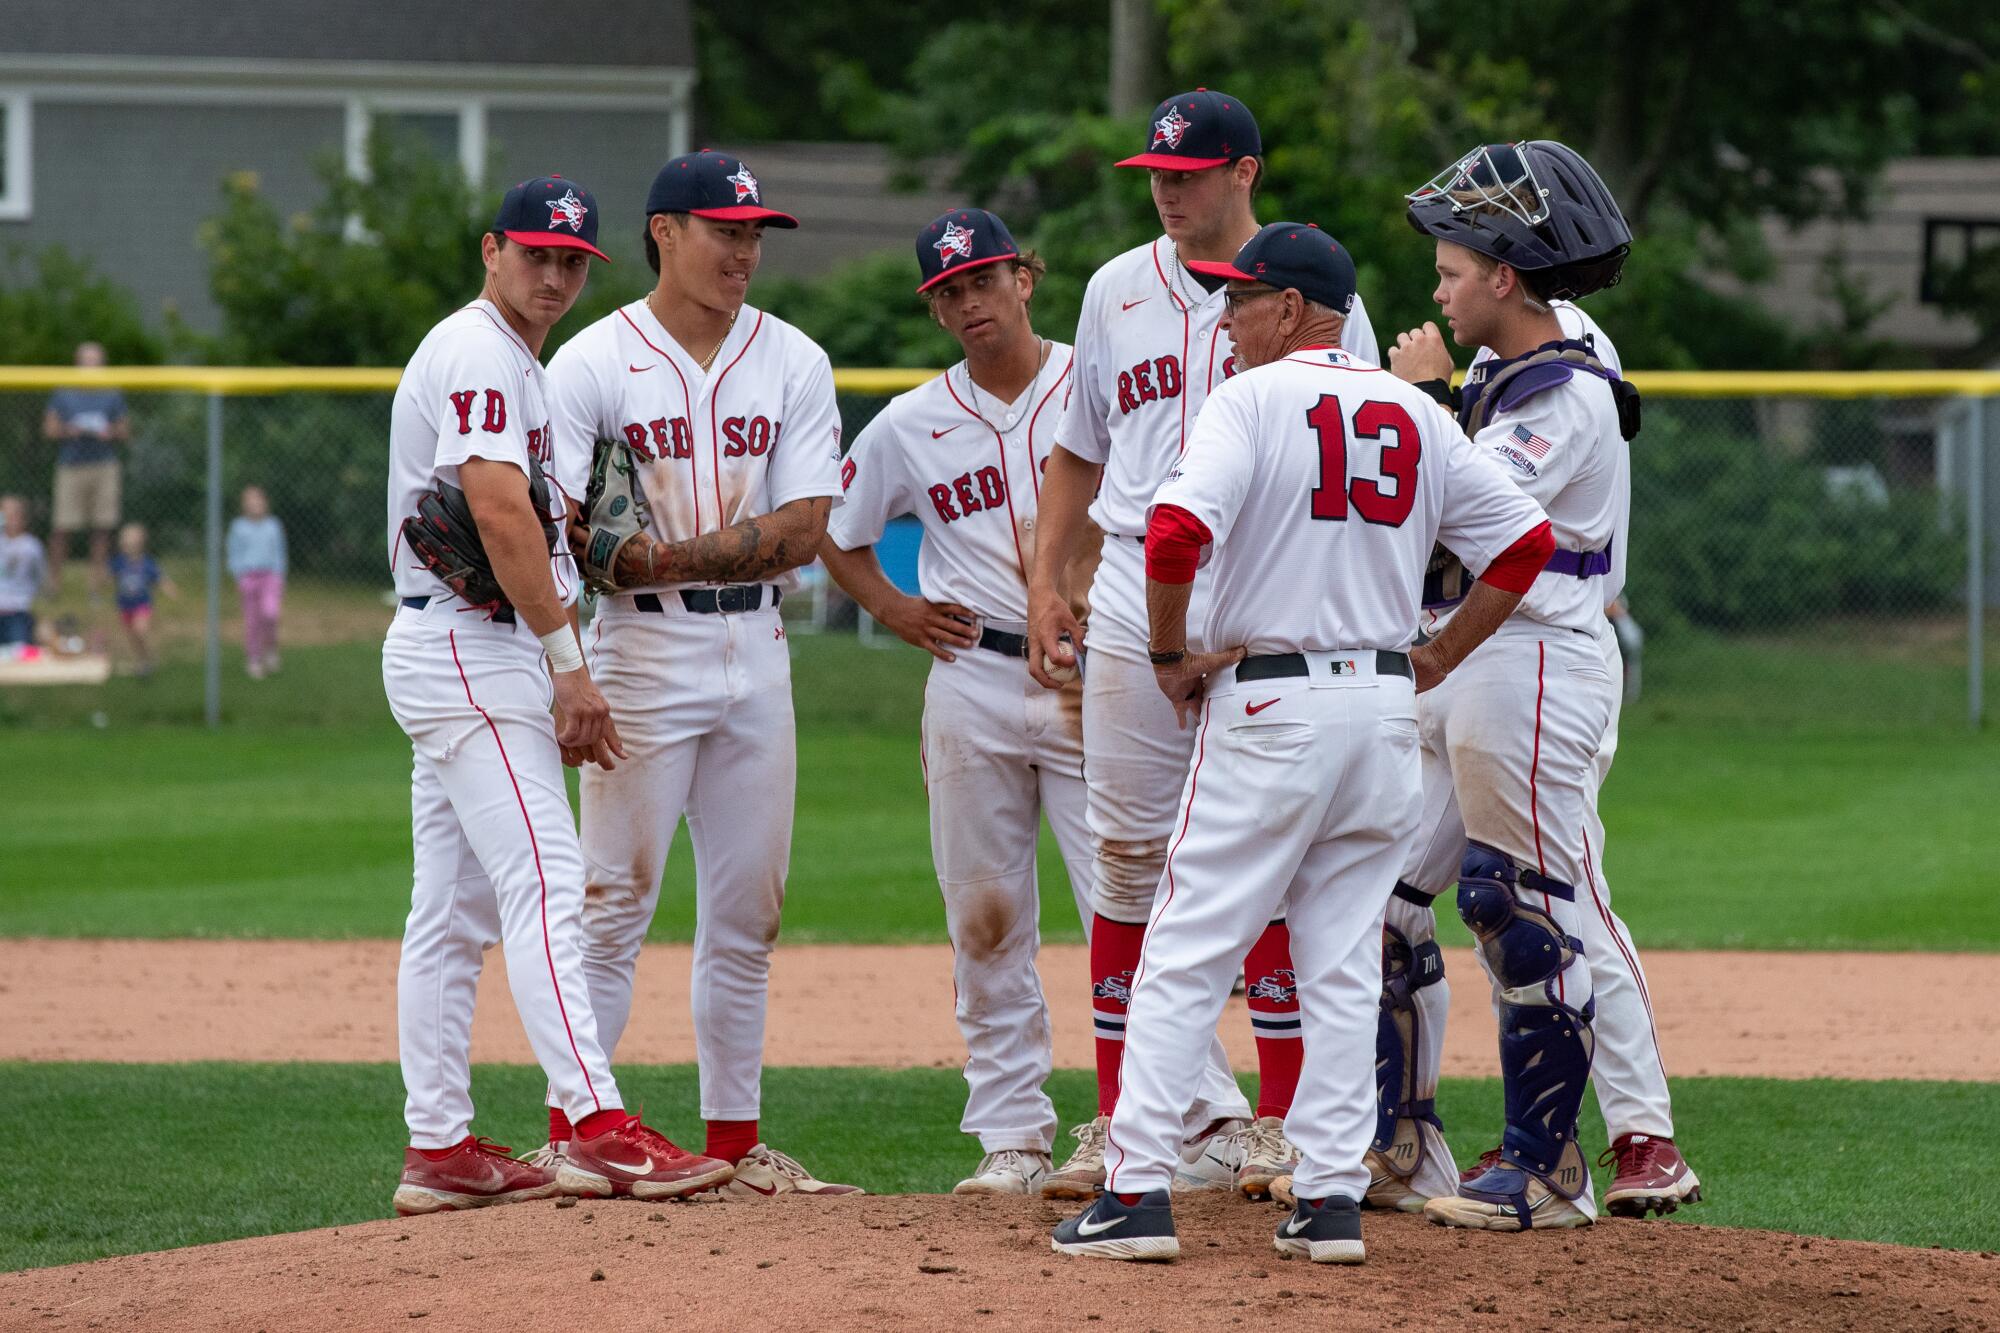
point(1056, 671)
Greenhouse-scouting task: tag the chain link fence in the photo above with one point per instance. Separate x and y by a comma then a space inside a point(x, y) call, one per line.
point(1793, 552)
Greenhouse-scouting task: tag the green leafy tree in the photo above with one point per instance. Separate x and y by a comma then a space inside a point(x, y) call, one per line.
point(51, 300)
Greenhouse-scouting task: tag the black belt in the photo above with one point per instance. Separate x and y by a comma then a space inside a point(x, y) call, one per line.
point(709, 601)
point(1279, 665)
point(502, 615)
point(1007, 645)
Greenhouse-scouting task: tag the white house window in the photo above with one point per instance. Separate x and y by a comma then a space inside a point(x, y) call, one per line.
point(449, 128)
point(17, 169)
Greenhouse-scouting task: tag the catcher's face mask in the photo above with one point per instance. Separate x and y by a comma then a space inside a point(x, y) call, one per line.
point(1498, 175)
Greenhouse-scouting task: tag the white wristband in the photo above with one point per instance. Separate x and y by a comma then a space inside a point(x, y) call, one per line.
point(564, 652)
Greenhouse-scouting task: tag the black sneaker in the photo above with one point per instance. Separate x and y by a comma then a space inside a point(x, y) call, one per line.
point(1326, 1232)
point(1109, 1229)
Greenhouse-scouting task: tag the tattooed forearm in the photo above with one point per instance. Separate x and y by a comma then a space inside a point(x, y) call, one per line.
point(746, 552)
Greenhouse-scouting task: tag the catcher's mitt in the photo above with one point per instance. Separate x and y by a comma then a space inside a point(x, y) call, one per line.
point(614, 510)
point(445, 539)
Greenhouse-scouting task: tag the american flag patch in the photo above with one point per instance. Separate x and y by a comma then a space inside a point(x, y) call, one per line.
point(1533, 443)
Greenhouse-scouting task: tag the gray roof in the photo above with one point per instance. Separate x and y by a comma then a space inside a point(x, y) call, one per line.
point(617, 33)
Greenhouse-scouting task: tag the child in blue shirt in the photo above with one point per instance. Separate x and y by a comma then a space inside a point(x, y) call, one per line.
point(135, 574)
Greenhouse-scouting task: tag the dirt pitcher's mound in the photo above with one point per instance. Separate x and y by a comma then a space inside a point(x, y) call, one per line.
point(934, 1262)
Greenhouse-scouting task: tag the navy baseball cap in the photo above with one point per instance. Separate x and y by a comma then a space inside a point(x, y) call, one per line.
point(1291, 254)
point(1197, 130)
point(715, 185)
point(963, 238)
point(550, 211)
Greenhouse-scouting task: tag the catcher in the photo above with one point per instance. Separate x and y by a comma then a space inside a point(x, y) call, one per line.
point(483, 646)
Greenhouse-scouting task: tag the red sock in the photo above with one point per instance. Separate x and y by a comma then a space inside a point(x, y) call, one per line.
point(1273, 990)
point(1114, 956)
point(730, 1140)
point(439, 1154)
point(1130, 1200)
point(559, 1126)
point(595, 1123)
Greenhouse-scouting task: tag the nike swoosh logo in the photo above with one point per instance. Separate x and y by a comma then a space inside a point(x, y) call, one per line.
point(1293, 1226)
point(1254, 709)
point(645, 1167)
point(1141, 301)
point(759, 1189)
point(640, 370)
point(1091, 1229)
point(940, 434)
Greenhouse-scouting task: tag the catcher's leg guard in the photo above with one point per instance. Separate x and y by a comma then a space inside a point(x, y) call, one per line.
point(1405, 1099)
point(1545, 1044)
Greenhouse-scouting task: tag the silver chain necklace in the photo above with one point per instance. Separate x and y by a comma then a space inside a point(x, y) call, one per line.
point(972, 391)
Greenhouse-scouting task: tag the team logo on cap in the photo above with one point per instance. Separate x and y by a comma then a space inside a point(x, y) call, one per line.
point(1169, 128)
point(745, 183)
point(956, 243)
point(567, 211)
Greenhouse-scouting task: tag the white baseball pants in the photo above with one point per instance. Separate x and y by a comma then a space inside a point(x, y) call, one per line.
point(1309, 802)
point(999, 751)
point(495, 859)
point(703, 703)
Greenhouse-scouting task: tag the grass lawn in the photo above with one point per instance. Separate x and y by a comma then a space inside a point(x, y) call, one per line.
point(1806, 1157)
point(1821, 826)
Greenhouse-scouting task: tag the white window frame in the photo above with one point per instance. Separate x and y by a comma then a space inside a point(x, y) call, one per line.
point(17, 195)
point(471, 113)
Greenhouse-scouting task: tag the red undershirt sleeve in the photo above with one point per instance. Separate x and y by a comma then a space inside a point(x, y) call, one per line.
point(1514, 569)
point(1174, 539)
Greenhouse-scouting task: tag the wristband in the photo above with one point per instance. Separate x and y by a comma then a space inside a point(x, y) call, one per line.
point(565, 654)
point(1174, 658)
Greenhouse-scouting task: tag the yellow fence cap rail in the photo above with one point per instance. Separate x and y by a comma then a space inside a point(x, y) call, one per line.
point(208, 379)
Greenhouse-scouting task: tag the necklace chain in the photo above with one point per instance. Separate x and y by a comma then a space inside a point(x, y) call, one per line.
point(709, 360)
point(972, 385)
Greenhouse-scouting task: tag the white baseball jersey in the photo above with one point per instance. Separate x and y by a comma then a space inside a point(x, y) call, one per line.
point(473, 390)
point(757, 431)
point(1324, 483)
point(1148, 354)
point(970, 469)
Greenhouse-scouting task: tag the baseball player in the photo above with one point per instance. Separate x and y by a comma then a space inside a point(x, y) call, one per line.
point(964, 453)
point(1149, 350)
point(1513, 738)
point(729, 416)
point(1320, 484)
point(495, 851)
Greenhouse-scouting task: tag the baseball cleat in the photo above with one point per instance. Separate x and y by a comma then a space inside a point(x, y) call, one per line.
point(1496, 1199)
point(1281, 1190)
point(1267, 1154)
point(1650, 1176)
point(1009, 1171)
point(550, 1154)
point(1082, 1176)
point(1211, 1159)
point(630, 1160)
point(478, 1174)
point(1326, 1232)
point(764, 1172)
point(1487, 1161)
point(1111, 1229)
point(1389, 1191)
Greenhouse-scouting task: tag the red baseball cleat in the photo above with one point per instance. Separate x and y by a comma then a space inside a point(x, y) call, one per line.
point(1650, 1175)
point(1489, 1158)
point(478, 1173)
point(631, 1160)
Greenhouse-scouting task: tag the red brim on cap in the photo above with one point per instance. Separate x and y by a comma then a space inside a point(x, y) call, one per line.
point(1212, 270)
point(747, 213)
point(1170, 162)
point(555, 240)
point(957, 269)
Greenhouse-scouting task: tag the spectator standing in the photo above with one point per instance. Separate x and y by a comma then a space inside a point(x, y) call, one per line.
point(257, 563)
point(135, 574)
point(87, 425)
point(23, 570)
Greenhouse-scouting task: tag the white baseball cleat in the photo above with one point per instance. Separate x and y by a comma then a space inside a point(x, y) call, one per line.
point(1082, 1176)
point(1267, 1154)
point(1387, 1190)
point(1211, 1160)
point(1009, 1171)
point(764, 1172)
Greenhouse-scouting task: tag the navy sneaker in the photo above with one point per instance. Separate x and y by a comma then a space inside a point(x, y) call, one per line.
point(1326, 1232)
point(1109, 1229)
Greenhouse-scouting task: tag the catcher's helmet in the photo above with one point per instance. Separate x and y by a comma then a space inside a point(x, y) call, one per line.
point(1536, 206)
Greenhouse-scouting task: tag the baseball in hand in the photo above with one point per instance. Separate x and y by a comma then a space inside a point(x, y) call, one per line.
point(1058, 672)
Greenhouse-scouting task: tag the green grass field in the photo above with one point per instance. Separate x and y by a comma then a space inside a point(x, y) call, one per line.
point(1802, 821)
point(245, 1150)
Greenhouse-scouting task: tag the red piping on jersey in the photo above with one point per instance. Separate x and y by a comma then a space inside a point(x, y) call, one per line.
point(687, 406)
point(1611, 928)
point(714, 436)
point(1035, 473)
point(1359, 364)
point(534, 847)
point(1187, 817)
point(1181, 306)
point(1006, 484)
point(512, 336)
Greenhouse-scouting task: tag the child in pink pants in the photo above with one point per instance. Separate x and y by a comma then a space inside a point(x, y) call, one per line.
point(257, 563)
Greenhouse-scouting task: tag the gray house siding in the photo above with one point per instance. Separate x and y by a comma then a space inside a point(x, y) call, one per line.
point(129, 185)
point(615, 153)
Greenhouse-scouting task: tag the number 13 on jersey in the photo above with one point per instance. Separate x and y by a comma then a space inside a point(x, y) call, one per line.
point(1388, 423)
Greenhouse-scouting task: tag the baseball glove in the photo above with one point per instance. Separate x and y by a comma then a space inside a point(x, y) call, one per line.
point(614, 510)
point(445, 539)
